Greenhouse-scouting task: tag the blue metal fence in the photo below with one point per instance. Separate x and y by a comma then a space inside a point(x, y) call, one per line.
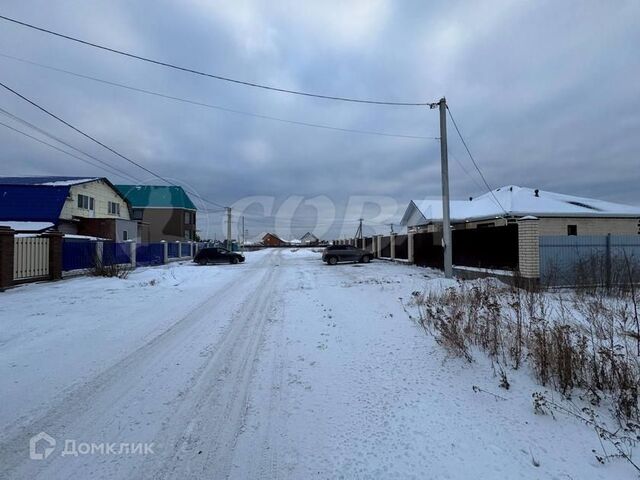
point(78, 254)
point(589, 259)
point(173, 250)
point(185, 250)
point(150, 254)
point(114, 253)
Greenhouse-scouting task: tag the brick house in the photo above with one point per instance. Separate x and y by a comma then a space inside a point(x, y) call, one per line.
point(167, 211)
point(272, 240)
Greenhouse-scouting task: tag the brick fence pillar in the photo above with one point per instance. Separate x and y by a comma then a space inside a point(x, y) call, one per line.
point(529, 247)
point(6, 257)
point(55, 254)
point(379, 246)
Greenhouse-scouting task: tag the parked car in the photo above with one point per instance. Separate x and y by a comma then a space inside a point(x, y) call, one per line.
point(217, 255)
point(345, 253)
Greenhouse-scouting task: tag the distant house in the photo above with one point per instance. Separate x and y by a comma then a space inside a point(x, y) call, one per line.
point(167, 211)
point(558, 214)
point(309, 239)
point(272, 240)
point(72, 205)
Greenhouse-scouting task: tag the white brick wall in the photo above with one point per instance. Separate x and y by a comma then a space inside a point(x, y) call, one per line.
point(529, 248)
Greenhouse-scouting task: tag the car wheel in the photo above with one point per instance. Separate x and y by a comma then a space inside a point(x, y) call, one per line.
point(201, 262)
point(332, 260)
point(234, 261)
point(366, 259)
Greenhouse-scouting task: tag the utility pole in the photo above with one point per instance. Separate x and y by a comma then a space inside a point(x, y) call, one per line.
point(228, 228)
point(444, 159)
point(361, 234)
point(243, 234)
point(391, 225)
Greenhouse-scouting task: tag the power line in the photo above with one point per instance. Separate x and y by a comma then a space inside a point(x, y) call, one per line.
point(99, 142)
point(216, 107)
point(14, 117)
point(474, 162)
point(58, 148)
point(211, 75)
point(112, 150)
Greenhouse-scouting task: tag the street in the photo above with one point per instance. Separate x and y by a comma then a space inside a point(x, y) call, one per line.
point(281, 367)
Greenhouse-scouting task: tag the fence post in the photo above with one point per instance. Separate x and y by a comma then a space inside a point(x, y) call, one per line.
point(410, 256)
point(607, 263)
point(379, 246)
point(7, 239)
point(165, 251)
point(529, 248)
point(99, 253)
point(55, 254)
point(392, 245)
point(132, 253)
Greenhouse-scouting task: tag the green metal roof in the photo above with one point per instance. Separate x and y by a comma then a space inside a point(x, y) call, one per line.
point(141, 196)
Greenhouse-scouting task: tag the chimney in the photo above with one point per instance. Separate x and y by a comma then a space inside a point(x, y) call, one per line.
point(536, 192)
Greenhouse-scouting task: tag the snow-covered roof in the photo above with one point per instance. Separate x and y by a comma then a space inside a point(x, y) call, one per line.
point(50, 181)
point(512, 200)
point(26, 226)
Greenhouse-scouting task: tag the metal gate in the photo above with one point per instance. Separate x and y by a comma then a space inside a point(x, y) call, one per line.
point(30, 258)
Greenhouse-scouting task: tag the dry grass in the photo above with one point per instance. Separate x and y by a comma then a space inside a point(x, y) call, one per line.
point(584, 341)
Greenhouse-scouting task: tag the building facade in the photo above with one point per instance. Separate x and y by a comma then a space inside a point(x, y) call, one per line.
point(71, 205)
point(166, 212)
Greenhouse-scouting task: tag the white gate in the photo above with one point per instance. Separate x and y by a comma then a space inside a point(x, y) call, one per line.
point(30, 257)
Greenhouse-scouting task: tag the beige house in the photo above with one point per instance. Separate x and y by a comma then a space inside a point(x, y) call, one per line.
point(556, 213)
point(89, 206)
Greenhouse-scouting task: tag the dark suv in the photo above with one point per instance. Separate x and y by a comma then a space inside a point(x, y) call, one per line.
point(217, 255)
point(345, 253)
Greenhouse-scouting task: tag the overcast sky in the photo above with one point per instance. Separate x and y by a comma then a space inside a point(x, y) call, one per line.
point(546, 93)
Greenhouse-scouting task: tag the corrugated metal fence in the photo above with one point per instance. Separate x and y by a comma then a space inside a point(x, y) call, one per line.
point(589, 260)
point(30, 258)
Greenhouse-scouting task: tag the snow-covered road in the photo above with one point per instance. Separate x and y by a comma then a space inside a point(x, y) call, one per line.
point(278, 368)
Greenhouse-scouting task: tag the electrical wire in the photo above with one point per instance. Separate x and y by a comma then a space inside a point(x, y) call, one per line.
point(99, 142)
point(211, 75)
point(16, 118)
point(474, 162)
point(215, 107)
point(59, 149)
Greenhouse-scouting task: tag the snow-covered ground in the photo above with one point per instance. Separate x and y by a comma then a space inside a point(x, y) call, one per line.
point(281, 367)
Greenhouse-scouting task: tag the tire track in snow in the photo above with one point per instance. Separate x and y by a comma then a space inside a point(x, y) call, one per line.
point(205, 427)
point(117, 380)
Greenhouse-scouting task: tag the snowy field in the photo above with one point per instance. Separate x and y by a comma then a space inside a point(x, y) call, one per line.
point(281, 367)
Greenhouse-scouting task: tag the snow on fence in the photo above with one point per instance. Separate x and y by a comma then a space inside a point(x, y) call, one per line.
point(589, 260)
point(30, 258)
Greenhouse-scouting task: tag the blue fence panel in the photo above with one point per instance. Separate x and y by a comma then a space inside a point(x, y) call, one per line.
point(78, 254)
point(150, 254)
point(186, 250)
point(115, 253)
point(173, 250)
point(589, 259)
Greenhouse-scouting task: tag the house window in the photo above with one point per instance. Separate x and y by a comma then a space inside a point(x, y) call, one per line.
point(137, 214)
point(187, 234)
point(187, 218)
point(85, 202)
point(114, 208)
point(572, 230)
point(125, 235)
